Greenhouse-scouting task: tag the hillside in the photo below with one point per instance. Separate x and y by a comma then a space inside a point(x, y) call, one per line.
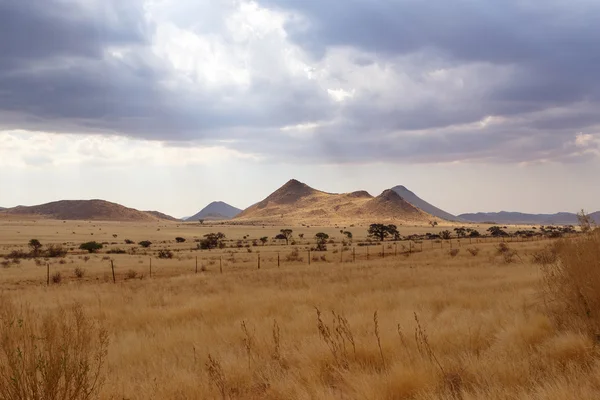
point(504, 217)
point(422, 204)
point(217, 210)
point(100, 210)
point(160, 215)
point(295, 202)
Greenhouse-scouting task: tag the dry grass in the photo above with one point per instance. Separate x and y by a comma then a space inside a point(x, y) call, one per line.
point(424, 326)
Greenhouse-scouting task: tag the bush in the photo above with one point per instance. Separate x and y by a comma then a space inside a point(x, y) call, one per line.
point(79, 272)
point(55, 250)
point(58, 355)
point(56, 278)
point(145, 243)
point(127, 241)
point(116, 251)
point(131, 274)
point(165, 254)
point(454, 252)
point(294, 256)
point(473, 251)
point(572, 285)
point(179, 239)
point(17, 254)
point(91, 247)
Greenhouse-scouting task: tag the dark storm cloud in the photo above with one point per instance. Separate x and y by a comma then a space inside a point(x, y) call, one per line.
point(532, 65)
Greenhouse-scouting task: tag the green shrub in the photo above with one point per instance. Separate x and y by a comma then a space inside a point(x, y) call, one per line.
point(91, 247)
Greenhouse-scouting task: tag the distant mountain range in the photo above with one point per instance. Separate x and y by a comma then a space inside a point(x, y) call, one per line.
point(85, 210)
point(422, 204)
point(217, 210)
point(505, 217)
point(296, 202)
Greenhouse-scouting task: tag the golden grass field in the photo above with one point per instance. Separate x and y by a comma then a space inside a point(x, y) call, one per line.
point(426, 325)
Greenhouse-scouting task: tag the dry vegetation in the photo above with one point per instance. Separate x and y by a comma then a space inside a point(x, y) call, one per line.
point(491, 321)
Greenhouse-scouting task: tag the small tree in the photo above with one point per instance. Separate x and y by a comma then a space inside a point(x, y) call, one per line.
point(264, 240)
point(201, 221)
point(446, 235)
point(433, 223)
point(35, 246)
point(179, 239)
point(460, 232)
point(145, 243)
point(381, 231)
point(348, 234)
point(496, 231)
point(585, 221)
point(91, 247)
point(321, 241)
point(212, 240)
point(285, 234)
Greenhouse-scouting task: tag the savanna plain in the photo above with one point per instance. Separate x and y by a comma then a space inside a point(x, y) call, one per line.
point(428, 319)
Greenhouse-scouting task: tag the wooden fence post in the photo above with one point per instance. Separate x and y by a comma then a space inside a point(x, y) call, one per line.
point(112, 265)
point(308, 257)
point(382, 250)
point(150, 267)
point(277, 259)
point(221, 264)
point(353, 254)
point(196, 264)
point(48, 274)
point(258, 260)
point(367, 252)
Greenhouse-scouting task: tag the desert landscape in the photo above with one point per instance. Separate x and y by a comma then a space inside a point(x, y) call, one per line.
point(250, 308)
point(299, 200)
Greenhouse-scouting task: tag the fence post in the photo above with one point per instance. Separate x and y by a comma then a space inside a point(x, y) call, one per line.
point(112, 265)
point(196, 264)
point(221, 264)
point(410, 247)
point(342, 254)
point(395, 249)
point(258, 260)
point(150, 267)
point(277, 259)
point(308, 257)
point(353, 254)
point(48, 274)
point(367, 252)
point(382, 250)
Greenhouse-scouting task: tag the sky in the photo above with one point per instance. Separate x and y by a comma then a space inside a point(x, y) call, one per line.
point(171, 104)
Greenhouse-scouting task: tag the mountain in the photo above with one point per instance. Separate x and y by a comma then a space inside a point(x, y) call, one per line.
point(296, 202)
point(81, 210)
point(504, 217)
point(217, 210)
point(160, 215)
point(422, 204)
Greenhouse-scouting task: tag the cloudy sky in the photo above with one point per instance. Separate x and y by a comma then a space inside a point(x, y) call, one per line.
point(169, 104)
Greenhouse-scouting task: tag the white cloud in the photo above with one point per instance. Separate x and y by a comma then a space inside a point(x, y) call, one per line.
point(36, 149)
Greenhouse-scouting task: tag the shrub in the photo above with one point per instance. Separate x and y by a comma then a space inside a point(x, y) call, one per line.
point(17, 254)
point(58, 355)
point(56, 278)
point(35, 246)
point(548, 255)
point(454, 252)
point(179, 239)
point(116, 251)
point(131, 274)
point(572, 285)
point(127, 241)
point(79, 272)
point(55, 250)
point(91, 247)
point(145, 243)
point(294, 256)
point(473, 251)
point(165, 254)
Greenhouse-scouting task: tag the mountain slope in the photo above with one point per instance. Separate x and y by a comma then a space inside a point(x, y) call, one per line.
point(81, 210)
point(422, 204)
point(296, 202)
point(504, 217)
point(160, 215)
point(216, 210)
